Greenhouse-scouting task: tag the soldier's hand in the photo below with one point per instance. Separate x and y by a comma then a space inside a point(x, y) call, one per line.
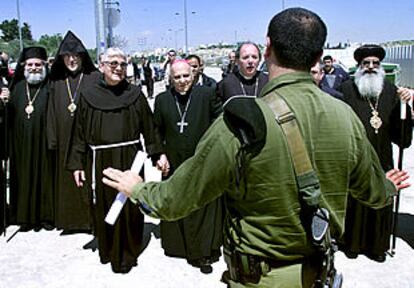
point(398, 178)
point(122, 181)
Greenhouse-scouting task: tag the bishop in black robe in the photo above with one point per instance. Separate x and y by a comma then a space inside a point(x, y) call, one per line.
point(31, 164)
point(367, 231)
point(197, 237)
point(235, 85)
point(72, 205)
point(109, 115)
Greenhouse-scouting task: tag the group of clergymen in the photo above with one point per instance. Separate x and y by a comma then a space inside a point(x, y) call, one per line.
point(65, 126)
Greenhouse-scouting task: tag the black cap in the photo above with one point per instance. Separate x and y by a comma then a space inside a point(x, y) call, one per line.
point(368, 50)
point(33, 52)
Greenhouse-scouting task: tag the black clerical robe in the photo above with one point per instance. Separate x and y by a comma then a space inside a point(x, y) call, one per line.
point(198, 235)
point(72, 207)
point(109, 115)
point(3, 139)
point(31, 164)
point(235, 85)
point(368, 231)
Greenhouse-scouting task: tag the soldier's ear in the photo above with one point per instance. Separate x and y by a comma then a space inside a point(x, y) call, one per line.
point(268, 50)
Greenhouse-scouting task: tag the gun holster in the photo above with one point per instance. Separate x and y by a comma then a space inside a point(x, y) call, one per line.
point(244, 268)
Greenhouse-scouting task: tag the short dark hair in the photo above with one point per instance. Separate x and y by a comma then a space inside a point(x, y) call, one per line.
point(297, 37)
point(247, 43)
point(191, 56)
point(327, 57)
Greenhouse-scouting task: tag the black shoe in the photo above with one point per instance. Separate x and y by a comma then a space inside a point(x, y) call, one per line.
point(25, 228)
point(377, 258)
point(206, 269)
point(225, 277)
point(351, 255)
point(47, 226)
point(93, 245)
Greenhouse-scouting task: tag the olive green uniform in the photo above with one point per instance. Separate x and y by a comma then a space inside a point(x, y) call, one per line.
point(268, 212)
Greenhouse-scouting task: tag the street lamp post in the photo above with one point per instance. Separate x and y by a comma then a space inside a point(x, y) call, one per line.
point(20, 25)
point(185, 26)
point(110, 24)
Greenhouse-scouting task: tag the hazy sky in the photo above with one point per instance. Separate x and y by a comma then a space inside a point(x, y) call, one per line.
point(154, 23)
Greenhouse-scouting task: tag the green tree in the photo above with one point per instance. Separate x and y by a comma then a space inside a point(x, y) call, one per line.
point(51, 43)
point(10, 30)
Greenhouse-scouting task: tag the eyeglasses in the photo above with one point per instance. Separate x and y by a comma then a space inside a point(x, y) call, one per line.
point(114, 64)
point(368, 63)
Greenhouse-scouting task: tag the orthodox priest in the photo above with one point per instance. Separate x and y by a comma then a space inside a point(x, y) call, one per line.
point(4, 98)
point(110, 116)
point(183, 113)
point(71, 73)
point(31, 164)
point(247, 80)
point(377, 104)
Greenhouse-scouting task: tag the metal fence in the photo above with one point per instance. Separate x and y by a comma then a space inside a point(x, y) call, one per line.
point(403, 55)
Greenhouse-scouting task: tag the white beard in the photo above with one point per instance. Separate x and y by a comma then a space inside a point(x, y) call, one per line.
point(35, 78)
point(370, 85)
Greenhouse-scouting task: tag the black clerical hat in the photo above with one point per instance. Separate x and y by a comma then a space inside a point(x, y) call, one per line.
point(70, 44)
point(368, 50)
point(33, 52)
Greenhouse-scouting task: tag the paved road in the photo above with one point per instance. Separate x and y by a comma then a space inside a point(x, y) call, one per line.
point(46, 259)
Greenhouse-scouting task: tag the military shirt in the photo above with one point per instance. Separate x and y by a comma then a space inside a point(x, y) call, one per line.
point(264, 219)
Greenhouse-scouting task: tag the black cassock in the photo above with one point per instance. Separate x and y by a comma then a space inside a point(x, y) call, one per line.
point(3, 138)
point(199, 234)
point(367, 230)
point(72, 206)
point(234, 84)
point(109, 115)
point(31, 164)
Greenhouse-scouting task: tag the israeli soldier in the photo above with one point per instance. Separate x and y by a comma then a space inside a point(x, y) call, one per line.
point(273, 196)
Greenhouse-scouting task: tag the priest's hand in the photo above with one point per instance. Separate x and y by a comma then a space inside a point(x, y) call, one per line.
point(163, 165)
point(404, 94)
point(122, 181)
point(398, 178)
point(4, 95)
point(79, 176)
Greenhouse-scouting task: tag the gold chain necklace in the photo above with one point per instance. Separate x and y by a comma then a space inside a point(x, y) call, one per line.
point(375, 120)
point(29, 109)
point(72, 105)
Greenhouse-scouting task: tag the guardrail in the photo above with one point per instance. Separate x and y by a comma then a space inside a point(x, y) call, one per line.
point(403, 55)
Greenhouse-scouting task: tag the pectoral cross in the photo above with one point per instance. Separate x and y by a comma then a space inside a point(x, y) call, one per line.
point(182, 124)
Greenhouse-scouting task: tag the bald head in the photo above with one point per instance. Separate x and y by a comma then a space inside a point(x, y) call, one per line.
point(181, 76)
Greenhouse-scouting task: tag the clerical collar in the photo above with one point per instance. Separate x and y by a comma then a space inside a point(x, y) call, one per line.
point(246, 81)
point(181, 98)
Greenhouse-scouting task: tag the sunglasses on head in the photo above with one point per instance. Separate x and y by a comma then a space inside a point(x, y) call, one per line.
point(367, 63)
point(114, 64)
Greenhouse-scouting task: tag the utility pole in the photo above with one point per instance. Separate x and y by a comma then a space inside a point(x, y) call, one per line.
point(100, 28)
point(20, 25)
point(185, 27)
